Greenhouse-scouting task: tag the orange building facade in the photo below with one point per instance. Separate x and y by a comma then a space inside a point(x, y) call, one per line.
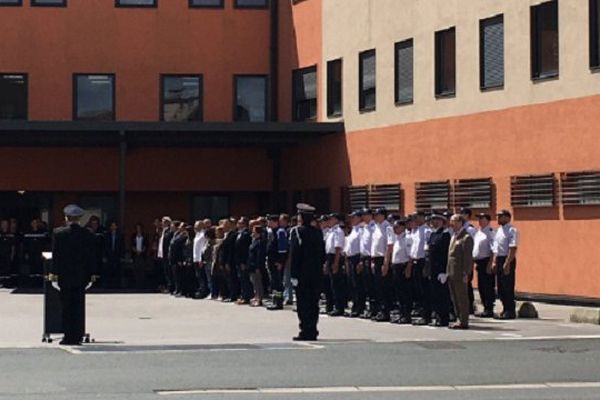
point(451, 103)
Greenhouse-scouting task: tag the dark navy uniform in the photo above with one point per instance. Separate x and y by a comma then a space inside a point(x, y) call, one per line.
point(307, 254)
point(34, 243)
point(439, 241)
point(7, 252)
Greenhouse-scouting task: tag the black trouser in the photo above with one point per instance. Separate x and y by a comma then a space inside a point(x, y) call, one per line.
point(486, 284)
point(307, 297)
point(471, 294)
point(369, 281)
point(245, 284)
point(336, 279)
point(73, 313)
point(357, 282)
point(383, 287)
point(420, 290)
point(326, 290)
point(168, 274)
point(233, 283)
point(440, 299)
point(189, 282)
point(201, 279)
point(276, 278)
point(506, 285)
point(402, 289)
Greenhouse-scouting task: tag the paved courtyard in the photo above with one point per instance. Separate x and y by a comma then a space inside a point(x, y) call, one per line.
point(152, 346)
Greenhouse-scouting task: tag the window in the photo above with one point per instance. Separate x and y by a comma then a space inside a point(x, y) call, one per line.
point(491, 52)
point(94, 97)
point(445, 63)
point(403, 65)
point(532, 190)
point(594, 33)
point(334, 88)
point(251, 3)
point(214, 207)
point(11, 3)
point(473, 193)
point(356, 197)
point(206, 3)
point(49, 3)
point(304, 93)
point(544, 40)
point(385, 196)
point(136, 3)
point(181, 98)
point(432, 195)
point(250, 98)
point(580, 188)
point(13, 96)
point(367, 81)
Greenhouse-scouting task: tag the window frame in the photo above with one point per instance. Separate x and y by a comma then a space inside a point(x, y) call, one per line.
point(76, 97)
point(26, 76)
point(265, 77)
point(19, 3)
point(161, 96)
point(63, 4)
point(534, 42)
point(153, 5)
point(397, 46)
point(267, 5)
point(361, 97)
point(219, 6)
point(482, 86)
point(594, 28)
point(330, 88)
point(439, 64)
point(301, 72)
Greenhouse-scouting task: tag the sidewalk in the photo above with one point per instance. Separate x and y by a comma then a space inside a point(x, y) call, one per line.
point(157, 319)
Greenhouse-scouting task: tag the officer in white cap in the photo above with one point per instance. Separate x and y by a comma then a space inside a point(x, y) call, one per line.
point(73, 267)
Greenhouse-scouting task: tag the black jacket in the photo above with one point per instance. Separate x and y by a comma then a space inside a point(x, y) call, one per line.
point(307, 255)
point(228, 249)
point(242, 245)
point(114, 255)
point(176, 249)
point(73, 257)
point(439, 241)
point(257, 254)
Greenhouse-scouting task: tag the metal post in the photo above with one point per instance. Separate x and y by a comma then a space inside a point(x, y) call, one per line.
point(275, 156)
point(122, 177)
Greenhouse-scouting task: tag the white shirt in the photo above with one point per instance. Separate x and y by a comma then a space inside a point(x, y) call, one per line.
point(383, 236)
point(352, 247)
point(325, 233)
point(335, 240)
point(506, 238)
point(159, 253)
point(471, 230)
point(139, 239)
point(401, 252)
point(483, 242)
point(419, 237)
point(366, 238)
point(199, 245)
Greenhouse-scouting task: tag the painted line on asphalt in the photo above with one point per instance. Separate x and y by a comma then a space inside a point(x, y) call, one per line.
point(387, 389)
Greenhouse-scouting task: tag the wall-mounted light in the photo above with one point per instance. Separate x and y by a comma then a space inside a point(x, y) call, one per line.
point(21, 192)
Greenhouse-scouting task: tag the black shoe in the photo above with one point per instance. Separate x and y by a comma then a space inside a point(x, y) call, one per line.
point(69, 343)
point(505, 316)
point(420, 322)
point(366, 315)
point(394, 319)
point(485, 314)
point(403, 321)
point(336, 313)
point(439, 324)
point(275, 307)
point(382, 317)
point(305, 338)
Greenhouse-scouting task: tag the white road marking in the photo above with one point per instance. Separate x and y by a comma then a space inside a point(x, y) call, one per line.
point(388, 389)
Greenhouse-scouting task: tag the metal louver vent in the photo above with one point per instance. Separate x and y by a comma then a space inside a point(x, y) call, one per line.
point(432, 195)
point(533, 190)
point(473, 193)
point(385, 196)
point(580, 188)
point(358, 197)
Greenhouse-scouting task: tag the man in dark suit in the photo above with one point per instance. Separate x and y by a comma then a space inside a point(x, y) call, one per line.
point(73, 267)
point(460, 267)
point(307, 255)
point(228, 259)
point(438, 243)
point(115, 249)
point(240, 255)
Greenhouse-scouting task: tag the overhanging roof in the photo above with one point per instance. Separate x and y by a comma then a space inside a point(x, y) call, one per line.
point(163, 134)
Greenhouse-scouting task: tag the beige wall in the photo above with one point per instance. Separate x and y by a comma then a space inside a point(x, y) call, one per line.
point(350, 26)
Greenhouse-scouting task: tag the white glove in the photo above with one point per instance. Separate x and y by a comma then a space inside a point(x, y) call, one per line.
point(294, 282)
point(55, 286)
point(442, 278)
point(89, 285)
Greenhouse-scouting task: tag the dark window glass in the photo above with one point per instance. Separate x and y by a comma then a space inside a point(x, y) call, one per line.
point(491, 47)
point(49, 3)
point(445, 62)
point(206, 3)
point(367, 81)
point(13, 96)
point(334, 88)
point(11, 2)
point(594, 33)
point(136, 3)
point(209, 206)
point(250, 98)
point(181, 98)
point(544, 40)
point(304, 94)
point(94, 97)
point(251, 3)
point(404, 72)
